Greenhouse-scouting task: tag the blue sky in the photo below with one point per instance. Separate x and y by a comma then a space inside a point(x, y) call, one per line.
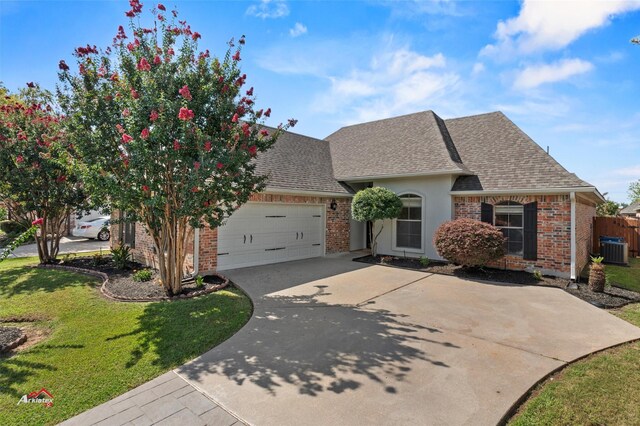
point(564, 71)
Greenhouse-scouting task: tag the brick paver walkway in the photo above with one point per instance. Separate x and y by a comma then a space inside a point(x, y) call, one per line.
point(166, 400)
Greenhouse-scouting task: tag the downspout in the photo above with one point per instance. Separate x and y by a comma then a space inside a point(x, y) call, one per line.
point(196, 253)
point(573, 236)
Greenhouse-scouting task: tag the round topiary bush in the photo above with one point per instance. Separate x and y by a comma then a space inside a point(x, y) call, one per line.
point(468, 242)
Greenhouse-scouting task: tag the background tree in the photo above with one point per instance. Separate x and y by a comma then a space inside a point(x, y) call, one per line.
point(608, 208)
point(374, 204)
point(167, 133)
point(634, 192)
point(36, 167)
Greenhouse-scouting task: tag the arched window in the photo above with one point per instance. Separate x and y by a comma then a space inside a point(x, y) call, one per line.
point(509, 218)
point(409, 223)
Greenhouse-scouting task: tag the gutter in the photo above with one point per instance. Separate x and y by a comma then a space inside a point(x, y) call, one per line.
point(573, 236)
point(542, 191)
point(269, 190)
point(356, 179)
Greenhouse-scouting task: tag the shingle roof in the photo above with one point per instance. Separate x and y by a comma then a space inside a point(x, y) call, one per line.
point(297, 162)
point(411, 144)
point(503, 157)
point(631, 208)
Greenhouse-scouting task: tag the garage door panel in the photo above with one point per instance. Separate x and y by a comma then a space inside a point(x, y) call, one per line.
point(262, 233)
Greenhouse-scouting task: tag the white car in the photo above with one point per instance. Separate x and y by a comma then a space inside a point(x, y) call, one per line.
point(94, 228)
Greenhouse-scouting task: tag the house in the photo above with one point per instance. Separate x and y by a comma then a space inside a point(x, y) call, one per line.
point(482, 167)
point(632, 210)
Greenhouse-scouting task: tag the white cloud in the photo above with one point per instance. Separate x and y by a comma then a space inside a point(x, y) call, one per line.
point(269, 9)
point(632, 172)
point(297, 30)
point(552, 25)
point(397, 81)
point(478, 68)
point(536, 75)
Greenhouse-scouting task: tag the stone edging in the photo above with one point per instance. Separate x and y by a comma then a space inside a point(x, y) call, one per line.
point(108, 294)
point(20, 340)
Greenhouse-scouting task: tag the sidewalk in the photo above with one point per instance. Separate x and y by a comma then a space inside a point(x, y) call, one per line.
point(165, 400)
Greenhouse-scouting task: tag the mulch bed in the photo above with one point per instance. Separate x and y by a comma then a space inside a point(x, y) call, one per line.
point(119, 284)
point(11, 338)
point(613, 297)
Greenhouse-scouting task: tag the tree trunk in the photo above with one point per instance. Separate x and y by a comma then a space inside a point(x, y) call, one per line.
point(170, 244)
point(374, 241)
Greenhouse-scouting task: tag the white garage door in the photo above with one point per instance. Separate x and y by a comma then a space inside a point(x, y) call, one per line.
point(262, 233)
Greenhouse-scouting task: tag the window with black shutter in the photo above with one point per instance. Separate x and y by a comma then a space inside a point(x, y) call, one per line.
point(486, 213)
point(509, 219)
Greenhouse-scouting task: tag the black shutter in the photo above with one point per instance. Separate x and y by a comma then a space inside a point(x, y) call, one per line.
point(486, 213)
point(530, 225)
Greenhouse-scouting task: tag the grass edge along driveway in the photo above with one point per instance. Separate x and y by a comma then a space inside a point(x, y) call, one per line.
point(95, 349)
point(603, 388)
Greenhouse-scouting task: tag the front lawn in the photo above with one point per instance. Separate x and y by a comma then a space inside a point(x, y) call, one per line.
point(93, 349)
point(601, 389)
point(625, 276)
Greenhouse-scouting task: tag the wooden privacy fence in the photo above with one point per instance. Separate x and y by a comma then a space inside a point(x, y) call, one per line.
point(625, 227)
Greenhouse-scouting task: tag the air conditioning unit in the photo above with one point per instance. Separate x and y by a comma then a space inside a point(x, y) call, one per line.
point(614, 252)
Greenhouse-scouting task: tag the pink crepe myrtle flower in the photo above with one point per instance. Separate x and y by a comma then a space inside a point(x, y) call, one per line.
point(185, 114)
point(126, 112)
point(154, 115)
point(143, 65)
point(234, 119)
point(157, 60)
point(196, 165)
point(246, 129)
point(267, 113)
point(161, 7)
point(236, 57)
point(176, 145)
point(134, 94)
point(220, 165)
point(264, 132)
point(126, 138)
point(253, 150)
point(185, 93)
point(19, 159)
point(39, 221)
point(145, 188)
point(207, 146)
point(144, 134)
point(196, 35)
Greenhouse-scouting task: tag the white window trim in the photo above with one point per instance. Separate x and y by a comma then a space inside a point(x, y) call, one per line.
point(495, 212)
point(394, 225)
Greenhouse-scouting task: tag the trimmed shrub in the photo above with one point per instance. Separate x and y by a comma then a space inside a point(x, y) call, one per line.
point(11, 227)
point(469, 242)
point(142, 275)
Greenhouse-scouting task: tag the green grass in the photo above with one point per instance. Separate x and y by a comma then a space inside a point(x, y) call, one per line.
point(601, 389)
point(625, 276)
point(97, 349)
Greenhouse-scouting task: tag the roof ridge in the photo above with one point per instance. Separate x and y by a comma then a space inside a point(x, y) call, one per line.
point(475, 115)
point(380, 120)
point(449, 144)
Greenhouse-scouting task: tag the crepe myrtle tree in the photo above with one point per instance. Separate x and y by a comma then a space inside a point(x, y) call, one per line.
point(374, 204)
point(37, 177)
point(166, 133)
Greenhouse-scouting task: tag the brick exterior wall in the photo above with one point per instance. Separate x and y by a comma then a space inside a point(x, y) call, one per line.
point(585, 213)
point(337, 232)
point(554, 231)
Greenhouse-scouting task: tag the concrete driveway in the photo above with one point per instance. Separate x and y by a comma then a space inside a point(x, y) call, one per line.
point(333, 341)
point(67, 245)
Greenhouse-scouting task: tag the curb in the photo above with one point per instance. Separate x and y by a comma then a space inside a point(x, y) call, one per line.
point(12, 345)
